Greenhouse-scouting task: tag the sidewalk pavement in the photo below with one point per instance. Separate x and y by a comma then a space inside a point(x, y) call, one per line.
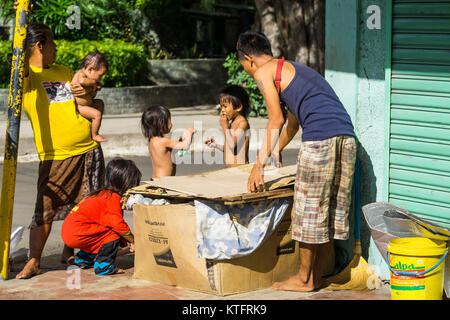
point(57, 283)
point(125, 138)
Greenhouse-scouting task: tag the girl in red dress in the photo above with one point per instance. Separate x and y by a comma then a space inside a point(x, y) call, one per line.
point(96, 225)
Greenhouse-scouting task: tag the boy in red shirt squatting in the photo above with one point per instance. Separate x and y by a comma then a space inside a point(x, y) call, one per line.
point(96, 225)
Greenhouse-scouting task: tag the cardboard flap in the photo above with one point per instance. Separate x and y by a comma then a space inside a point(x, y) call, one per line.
point(225, 184)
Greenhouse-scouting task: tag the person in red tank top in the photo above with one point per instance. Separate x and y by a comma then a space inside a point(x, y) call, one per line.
point(327, 153)
point(96, 225)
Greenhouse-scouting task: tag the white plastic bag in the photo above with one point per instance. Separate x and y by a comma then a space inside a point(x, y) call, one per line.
point(138, 198)
point(17, 255)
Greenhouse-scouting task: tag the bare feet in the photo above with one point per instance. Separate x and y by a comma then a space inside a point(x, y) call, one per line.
point(31, 269)
point(99, 138)
point(293, 284)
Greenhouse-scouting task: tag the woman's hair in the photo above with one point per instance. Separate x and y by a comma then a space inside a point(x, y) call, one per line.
point(121, 175)
point(96, 60)
point(253, 43)
point(37, 32)
point(155, 122)
point(237, 96)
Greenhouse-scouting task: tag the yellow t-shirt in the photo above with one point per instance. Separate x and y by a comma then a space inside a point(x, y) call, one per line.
point(59, 130)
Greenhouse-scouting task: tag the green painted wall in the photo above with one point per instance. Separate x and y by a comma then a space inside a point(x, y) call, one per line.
point(355, 68)
point(341, 57)
point(341, 51)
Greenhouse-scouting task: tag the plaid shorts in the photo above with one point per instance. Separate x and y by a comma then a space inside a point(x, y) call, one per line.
point(323, 188)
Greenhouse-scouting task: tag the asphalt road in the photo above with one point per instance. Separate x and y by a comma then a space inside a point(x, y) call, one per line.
point(25, 194)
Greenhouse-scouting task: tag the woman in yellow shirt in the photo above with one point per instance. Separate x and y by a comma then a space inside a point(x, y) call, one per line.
point(71, 163)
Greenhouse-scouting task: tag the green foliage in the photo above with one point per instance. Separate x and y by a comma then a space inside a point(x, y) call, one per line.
point(160, 54)
point(6, 11)
point(238, 76)
point(127, 62)
point(100, 19)
point(159, 25)
point(191, 53)
point(103, 19)
point(54, 14)
point(5, 66)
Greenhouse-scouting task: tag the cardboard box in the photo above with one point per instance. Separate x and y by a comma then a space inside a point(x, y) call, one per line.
point(166, 252)
point(166, 243)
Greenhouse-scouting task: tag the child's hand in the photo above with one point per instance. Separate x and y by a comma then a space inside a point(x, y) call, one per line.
point(77, 90)
point(223, 120)
point(190, 130)
point(131, 247)
point(210, 143)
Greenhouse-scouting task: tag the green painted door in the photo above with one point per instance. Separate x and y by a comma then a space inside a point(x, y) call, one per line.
point(419, 155)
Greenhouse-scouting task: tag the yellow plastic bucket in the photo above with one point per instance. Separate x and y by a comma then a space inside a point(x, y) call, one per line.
point(417, 268)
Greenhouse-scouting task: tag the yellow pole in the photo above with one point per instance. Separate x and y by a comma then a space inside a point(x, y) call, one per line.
point(12, 133)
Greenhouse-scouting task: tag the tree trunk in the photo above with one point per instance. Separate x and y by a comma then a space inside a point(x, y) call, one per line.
point(295, 29)
point(269, 26)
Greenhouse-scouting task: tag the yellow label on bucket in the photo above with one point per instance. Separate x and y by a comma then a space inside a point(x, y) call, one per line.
point(404, 282)
point(407, 283)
